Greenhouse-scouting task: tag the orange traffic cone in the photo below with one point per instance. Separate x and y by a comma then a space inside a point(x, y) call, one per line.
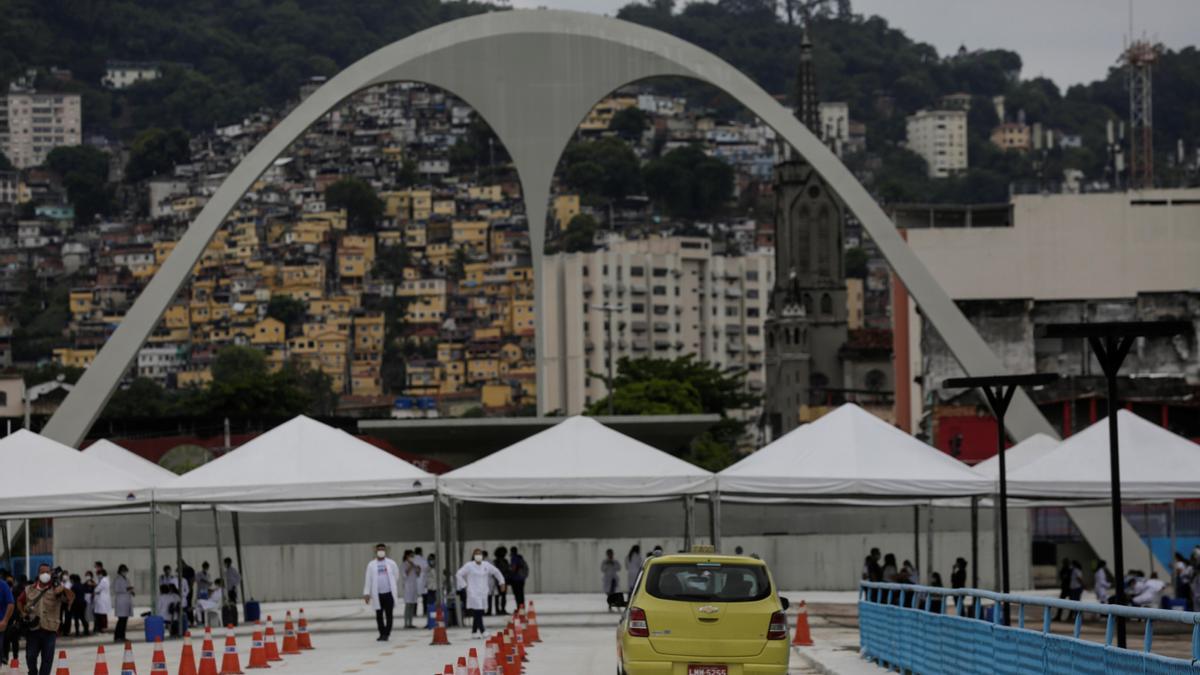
point(803, 637)
point(230, 663)
point(158, 660)
point(258, 651)
point(187, 658)
point(439, 629)
point(448, 670)
point(290, 646)
point(460, 668)
point(14, 667)
point(208, 660)
point(270, 644)
point(101, 664)
point(490, 667)
point(473, 662)
point(128, 667)
point(302, 637)
point(63, 668)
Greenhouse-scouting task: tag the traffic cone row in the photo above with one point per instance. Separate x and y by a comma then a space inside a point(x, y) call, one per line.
point(263, 651)
point(505, 653)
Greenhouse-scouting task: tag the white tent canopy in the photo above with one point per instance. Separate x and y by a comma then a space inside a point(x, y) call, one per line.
point(137, 466)
point(578, 459)
point(1029, 450)
point(299, 464)
point(850, 453)
point(44, 477)
point(1155, 464)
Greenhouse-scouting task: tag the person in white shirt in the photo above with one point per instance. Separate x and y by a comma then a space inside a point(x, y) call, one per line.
point(1101, 584)
point(210, 607)
point(476, 577)
point(381, 588)
point(610, 573)
point(1148, 592)
point(410, 581)
point(422, 578)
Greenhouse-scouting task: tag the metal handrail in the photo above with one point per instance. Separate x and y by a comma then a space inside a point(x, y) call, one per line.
point(1147, 614)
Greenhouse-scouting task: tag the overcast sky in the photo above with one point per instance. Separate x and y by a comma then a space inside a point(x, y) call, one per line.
point(1069, 41)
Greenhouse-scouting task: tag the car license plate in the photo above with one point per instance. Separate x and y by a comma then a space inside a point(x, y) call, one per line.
point(707, 670)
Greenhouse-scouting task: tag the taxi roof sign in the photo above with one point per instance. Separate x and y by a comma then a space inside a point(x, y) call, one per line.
point(703, 548)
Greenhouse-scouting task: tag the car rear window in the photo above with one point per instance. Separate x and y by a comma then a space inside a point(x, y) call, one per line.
point(708, 582)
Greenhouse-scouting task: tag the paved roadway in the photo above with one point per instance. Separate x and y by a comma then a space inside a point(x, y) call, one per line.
point(578, 639)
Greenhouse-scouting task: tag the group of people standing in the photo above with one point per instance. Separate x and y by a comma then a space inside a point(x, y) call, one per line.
point(610, 568)
point(481, 584)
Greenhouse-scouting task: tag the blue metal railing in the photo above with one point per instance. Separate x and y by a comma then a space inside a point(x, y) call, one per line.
point(906, 627)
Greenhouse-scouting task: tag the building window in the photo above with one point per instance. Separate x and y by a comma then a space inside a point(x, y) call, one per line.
point(660, 290)
point(637, 271)
point(826, 304)
point(875, 379)
point(752, 312)
point(660, 271)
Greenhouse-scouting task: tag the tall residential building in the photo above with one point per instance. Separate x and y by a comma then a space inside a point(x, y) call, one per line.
point(33, 124)
point(835, 125)
point(940, 136)
point(665, 298)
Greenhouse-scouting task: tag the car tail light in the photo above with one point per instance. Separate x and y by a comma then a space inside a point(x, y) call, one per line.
point(637, 623)
point(778, 630)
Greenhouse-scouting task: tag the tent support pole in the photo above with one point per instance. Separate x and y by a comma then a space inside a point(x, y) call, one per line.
point(454, 552)
point(153, 556)
point(928, 544)
point(179, 554)
point(714, 515)
point(974, 542)
point(220, 554)
point(1170, 531)
point(8, 544)
point(439, 561)
point(28, 555)
point(996, 543)
point(237, 547)
point(917, 538)
point(687, 522)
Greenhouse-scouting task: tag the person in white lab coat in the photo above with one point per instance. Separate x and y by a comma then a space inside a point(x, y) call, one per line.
point(101, 600)
point(381, 588)
point(476, 577)
point(410, 581)
point(610, 573)
point(633, 565)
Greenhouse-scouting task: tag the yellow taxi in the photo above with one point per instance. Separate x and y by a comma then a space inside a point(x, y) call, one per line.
point(703, 614)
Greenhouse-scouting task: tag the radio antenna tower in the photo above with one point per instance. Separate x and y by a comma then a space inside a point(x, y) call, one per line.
point(1139, 58)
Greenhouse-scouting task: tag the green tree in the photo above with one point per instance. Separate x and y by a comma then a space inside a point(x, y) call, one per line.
point(156, 151)
point(687, 183)
point(629, 123)
point(604, 169)
point(648, 386)
point(143, 398)
point(364, 208)
point(580, 234)
point(390, 262)
point(856, 263)
point(84, 172)
point(289, 310)
point(5, 164)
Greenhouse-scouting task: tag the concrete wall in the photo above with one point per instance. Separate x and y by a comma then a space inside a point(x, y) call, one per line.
point(321, 555)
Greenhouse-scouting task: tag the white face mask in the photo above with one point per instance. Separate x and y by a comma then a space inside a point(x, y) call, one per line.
point(381, 554)
point(44, 577)
point(478, 557)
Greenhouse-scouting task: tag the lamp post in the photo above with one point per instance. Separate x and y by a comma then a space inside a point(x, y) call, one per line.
point(1110, 343)
point(612, 345)
point(999, 390)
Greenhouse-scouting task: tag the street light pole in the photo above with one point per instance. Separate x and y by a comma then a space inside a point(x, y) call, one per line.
point(1110, 343)
point(999, 391)
point(612, 345)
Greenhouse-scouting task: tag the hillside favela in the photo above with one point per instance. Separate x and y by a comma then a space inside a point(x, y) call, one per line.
point(718, 338)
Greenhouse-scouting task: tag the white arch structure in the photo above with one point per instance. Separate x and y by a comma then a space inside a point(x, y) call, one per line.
point(533, 75)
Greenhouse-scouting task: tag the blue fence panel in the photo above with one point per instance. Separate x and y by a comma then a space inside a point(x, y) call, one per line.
point(897, 630)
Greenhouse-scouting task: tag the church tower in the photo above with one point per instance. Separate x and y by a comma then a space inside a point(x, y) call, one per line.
point(806, 324)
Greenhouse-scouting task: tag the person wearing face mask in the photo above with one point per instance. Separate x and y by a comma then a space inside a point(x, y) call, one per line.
point(101, 600)
point(122, 593)
point(476, 577)
point(41, 604)
point(381, 589)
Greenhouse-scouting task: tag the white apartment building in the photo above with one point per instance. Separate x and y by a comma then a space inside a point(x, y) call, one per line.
point(122, 74)
point(669, 297)
point(33, 124)
point(835, 125)
point(940, 136)
point(157, 362)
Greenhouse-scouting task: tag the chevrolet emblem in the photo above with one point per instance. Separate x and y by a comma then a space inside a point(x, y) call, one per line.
point(708, 609)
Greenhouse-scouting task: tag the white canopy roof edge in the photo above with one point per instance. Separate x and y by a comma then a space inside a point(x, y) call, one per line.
point(141, 468)
point(1155, 464)
point(850, 453)
point(577, 460)
point(299, 461)
point(1028, 450)
point(46, 478)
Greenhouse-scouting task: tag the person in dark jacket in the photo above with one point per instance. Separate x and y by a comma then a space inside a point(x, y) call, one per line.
point(958, 576)
point(500, 562)
point(1064, 585)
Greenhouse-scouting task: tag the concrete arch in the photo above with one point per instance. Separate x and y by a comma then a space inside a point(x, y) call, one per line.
point(533, 75)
